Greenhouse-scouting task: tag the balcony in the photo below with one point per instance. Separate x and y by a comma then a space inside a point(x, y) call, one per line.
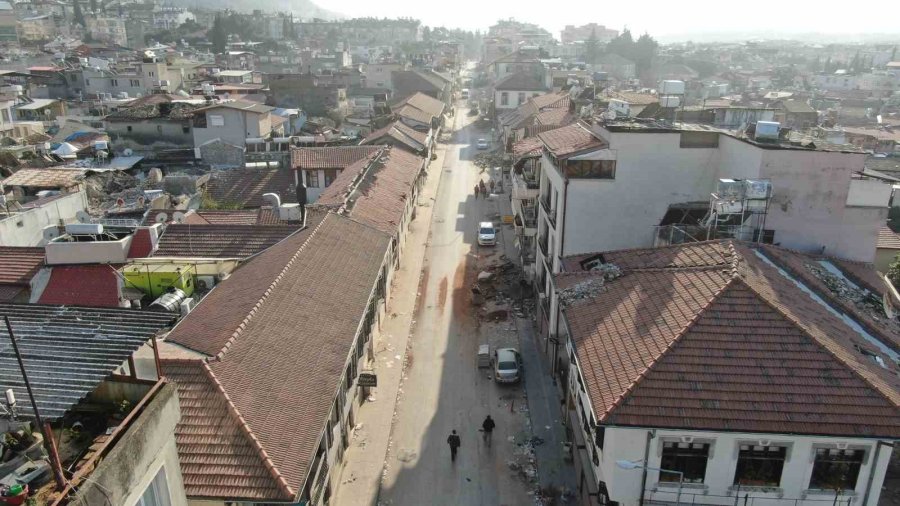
point(542, 245)
point(549, 211)
point(523, 187)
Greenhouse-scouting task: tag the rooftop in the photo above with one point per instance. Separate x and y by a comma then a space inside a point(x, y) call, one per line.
point(244, 188)
point(424, 103)
point(399, 132)
point(239, 105)
point(520, 81)
point(330, 158)
point(70, 350)
point(44, 178)
point(714, 336)
point(571, 139)
point(219, 241)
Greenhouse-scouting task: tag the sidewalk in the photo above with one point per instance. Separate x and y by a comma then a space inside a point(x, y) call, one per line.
point(364, 460)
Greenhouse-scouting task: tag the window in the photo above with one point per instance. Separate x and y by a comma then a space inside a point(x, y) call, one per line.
point(760, 466)
point(6, 115)
point(836, 469)
point(157, 493)
point(129, 128)
point(521, 97)
point(591, 169)
point(151, 73)
point(312, 178)
point(113, 82)
point(185, 129)
point(330, 175)
point(87, 82)
point(216, 120)
point(135, 83)
point(689, 458)
point(504, 98)
point(159, 129)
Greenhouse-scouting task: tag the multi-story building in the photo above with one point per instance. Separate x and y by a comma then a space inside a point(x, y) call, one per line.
point(572, 33)
point(36, 29)
point(7, 23)
point(630, 184)
point(110, 30)
point(719, 372)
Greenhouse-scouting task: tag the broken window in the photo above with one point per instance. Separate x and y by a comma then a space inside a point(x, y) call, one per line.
point(836, 469)
point(689, 458)
point(591, 169)
point(312, 178)
point(760, 466)
point(330, 176)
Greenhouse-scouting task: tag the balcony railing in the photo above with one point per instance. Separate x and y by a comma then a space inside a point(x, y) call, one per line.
point(549, 211)
point(542, 244)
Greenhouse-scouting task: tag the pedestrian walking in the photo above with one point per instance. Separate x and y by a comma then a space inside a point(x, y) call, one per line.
point(477, 191)
point(487, 429)
point(454, 442)
point(483, 188)
point(492, 186)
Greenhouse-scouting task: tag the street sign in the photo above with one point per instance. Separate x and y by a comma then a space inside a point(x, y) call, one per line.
point(367, 379)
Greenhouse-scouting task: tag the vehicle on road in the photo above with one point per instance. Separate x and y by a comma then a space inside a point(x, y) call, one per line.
point(482, 144)
point(507, 365)
point(464, 94)
point(487, 234)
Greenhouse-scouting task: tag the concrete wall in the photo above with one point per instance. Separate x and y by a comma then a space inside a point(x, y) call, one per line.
point(148, 132)
point(147, 446)
point(238, 127)
point(26, 228)
point(62, 252)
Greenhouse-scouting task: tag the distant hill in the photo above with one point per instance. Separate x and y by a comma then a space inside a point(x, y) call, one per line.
point(302, 9)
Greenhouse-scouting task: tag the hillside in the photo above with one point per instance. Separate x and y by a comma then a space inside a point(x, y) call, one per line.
point(302, 9)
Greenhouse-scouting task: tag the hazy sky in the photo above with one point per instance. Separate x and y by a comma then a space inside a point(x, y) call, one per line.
point(658, 17)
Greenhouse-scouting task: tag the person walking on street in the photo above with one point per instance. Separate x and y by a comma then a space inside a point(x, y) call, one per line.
point(454, 442)
point(483, 189)
point(477, 190)
point(492, 186)
point(487, 428)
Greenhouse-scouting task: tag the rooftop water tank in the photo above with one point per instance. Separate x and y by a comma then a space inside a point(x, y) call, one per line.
point(671, 87)
point(767, 130)
point(84, 228)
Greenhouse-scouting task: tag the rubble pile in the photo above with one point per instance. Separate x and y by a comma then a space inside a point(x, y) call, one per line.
point(491, 159)
point(590, 287)
point(864, 300)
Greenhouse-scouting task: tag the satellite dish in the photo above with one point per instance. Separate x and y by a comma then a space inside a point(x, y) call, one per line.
point(50, 233)
point(128, 152)
point(83, 217)
point(162, 218)
point(178, 216)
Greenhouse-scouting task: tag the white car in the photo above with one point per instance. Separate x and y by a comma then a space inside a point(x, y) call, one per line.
point(507, 365)
point(487, 234)
point(482, 144)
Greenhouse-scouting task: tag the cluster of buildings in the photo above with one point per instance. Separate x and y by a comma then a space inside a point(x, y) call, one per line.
point(708, 259)
point(163, 211)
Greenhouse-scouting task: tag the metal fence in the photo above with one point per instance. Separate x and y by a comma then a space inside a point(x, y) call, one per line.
point(654, 497)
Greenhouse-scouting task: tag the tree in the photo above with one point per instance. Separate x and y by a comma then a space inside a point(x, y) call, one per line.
point(94, 8)
point(893, 272)
point(592, 47)
point(644, 51)
point(622, 45)
point(217, 35)
point(77, 14)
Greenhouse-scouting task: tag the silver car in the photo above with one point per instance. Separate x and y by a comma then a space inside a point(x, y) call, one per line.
point(507, 365)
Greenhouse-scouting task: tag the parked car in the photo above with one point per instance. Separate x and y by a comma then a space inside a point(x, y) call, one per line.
point(482, 144)
point(487, 234)
point(507, 365)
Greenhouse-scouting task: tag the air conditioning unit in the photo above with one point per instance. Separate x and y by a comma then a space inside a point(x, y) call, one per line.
point(187, 305)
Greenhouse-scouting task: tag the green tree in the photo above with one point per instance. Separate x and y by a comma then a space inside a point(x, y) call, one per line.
point(893, 272)
point(622, 45)
point(592, 48)
point(77, 14)
point(217, 34)
point(643, 52)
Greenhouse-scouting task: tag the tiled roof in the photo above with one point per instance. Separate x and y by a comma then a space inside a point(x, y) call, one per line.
point(141, 244)
point(330, 158)
point(9, 292)
point(520, 81)
point(424, 103)
point(261, 216)
point(888, 239)
point(557, 117)
point(410, 112)
point(265, 319)
point(401, 133)
point(676, 256)
point(218, 455)
point(376, 193)
point(245, 187)
point(797, 107)
point(412, 81)
point(44, 178)
point(83, 285)
point(240, 105)
point(571, 139)
point(558, 100)
point(674, 343)
point(634, 98)
point(19, 264)
point(527, 147)
point(219, 241)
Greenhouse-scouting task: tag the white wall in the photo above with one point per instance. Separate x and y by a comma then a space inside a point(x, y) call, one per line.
point(26, 228)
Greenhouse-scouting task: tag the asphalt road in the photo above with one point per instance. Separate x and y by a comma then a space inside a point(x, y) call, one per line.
point(443, 389)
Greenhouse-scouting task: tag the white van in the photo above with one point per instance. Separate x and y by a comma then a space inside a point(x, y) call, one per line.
point(464, 94)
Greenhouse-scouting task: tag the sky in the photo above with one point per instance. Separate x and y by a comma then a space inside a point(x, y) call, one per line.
point(665, 19)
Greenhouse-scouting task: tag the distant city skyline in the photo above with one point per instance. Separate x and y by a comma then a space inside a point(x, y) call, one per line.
point(690, 19)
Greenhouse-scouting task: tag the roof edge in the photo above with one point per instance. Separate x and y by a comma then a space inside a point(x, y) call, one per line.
point(283, 485)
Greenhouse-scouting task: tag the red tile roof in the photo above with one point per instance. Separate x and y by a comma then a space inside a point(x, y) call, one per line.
point(83, 285)
point(19, 264)
point(44, 178)
point(265, 320)
point(330, 158)
point(571, 139)
point(888, 239)
point(559, 117)
point(245, 187)
point(527, 147)
point(414, 114)
point(141, 244)
point(376, 193)
point(220, 241)
point(399, 132)
point(261, 216)
point(219, 456)
point(424, 103)
point(731, 345)
point(521, 81)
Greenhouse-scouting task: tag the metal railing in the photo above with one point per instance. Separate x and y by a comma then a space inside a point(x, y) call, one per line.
point(740, 497)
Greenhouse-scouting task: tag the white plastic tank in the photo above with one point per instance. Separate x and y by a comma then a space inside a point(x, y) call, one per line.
point(669, 101)
point(767, 130)
point(671, 87)
point(84, 228)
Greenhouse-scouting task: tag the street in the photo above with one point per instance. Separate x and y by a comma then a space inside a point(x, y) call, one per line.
point(443, 389)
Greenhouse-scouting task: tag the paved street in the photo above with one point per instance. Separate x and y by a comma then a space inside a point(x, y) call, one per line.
point(443, 389)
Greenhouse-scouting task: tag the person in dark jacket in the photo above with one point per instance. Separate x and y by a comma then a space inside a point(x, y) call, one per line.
point(454, 442)
point(487, 428)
